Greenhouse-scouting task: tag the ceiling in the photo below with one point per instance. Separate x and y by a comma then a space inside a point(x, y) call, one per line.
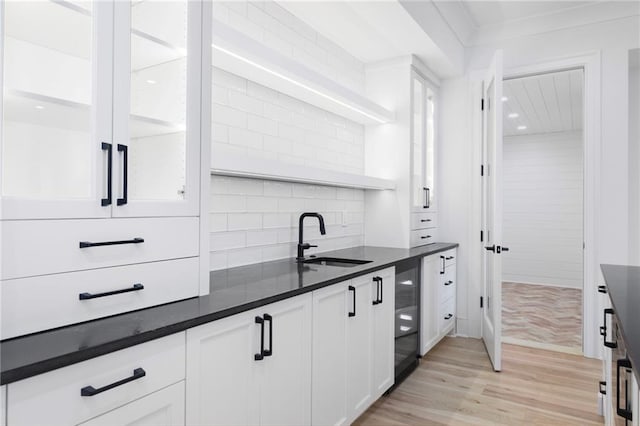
point(545, 103)
point(488, 13)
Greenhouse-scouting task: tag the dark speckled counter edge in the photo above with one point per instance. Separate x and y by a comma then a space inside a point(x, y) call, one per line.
point(74, 357)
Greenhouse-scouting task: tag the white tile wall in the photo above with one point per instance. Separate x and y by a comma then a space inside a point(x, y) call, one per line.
point(254, 220)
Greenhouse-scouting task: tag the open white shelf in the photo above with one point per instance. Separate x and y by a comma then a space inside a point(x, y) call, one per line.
point(241, 55)
point(229, 164)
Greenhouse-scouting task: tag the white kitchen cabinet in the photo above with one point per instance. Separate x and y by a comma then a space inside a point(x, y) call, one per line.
point(3, 405)
point(102, 119)
point(82, 391)
point(437, 298)
point(635, 402)
point(252, 368)
point(383, 331)
point(164, 407)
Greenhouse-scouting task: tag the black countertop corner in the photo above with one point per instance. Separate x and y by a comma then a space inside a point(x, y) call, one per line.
point(232, 291)
point(623, 286)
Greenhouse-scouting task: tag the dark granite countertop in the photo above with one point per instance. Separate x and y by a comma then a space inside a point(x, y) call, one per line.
point(623, 286)
point(233, 291)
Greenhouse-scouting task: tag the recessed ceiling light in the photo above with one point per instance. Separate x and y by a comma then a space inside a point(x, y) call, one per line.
point(505, 99)
point(514, 115)
point(39, 107)
point(151, 81)
point(522, 127)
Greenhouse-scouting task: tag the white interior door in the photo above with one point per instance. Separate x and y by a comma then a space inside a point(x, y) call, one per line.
point(492, 211)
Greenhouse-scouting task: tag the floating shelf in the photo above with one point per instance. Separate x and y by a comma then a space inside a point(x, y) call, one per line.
point(260, 168)
point(241, 55)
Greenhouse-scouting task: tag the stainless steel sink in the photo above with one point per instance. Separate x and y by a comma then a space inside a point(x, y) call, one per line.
point(336, 261)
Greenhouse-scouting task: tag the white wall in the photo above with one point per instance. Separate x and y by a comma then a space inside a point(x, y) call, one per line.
point(542, 213)
point(254, 220)
point(461, 130)
point(634, 161)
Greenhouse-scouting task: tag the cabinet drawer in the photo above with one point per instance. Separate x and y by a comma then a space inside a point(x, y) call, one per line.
point(449, 257)
point(447, 315)
point(49, 301)
point(424, 220)
point(447, 284)
point(165, 408)
point(39, 247)
point(423, 236)
point(54, 398)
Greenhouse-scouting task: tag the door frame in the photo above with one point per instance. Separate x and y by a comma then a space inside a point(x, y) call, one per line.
point(590, 63)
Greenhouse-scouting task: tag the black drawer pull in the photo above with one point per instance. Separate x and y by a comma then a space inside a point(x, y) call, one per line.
point(603, 330)
point(85, 244)
point(602, 289)
point(448, 317)
point(448, 282)
point(424, 237)
point(125, 174)
point(425, 220)
point(267, 317)
point(448, 258)
point(443, 265)
point(260, 356)
point(107, 147)
point(378, 282)
point(352, 288)
point(622, 412)
point(138, 373)
point(602, 387)
point(86, 296)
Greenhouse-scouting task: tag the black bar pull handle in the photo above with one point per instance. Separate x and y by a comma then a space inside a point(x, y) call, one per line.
point(622, 412)
point(109, 148)
point(602, 289)
point(449, 258)
point(377, 281)
point(125, 174)
point(269, 352)
point(138, 373)
point(85, 244)
point(427, 202)
point(381, 283)
point(352, 288)
point(608, 344)
point(602, 387)
point(443, 265)
point(448, 282)
point(87, 296)
point(449, 316)
point(260, 356)
point(425, 220)
point(424, 237)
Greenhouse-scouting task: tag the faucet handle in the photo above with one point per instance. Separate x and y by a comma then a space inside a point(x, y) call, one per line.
point(307, 246)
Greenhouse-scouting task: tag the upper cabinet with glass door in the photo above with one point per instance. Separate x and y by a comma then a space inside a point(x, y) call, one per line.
point(423, 141)
point(100, 108)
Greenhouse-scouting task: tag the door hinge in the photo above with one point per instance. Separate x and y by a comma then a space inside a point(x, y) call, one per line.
point(481, 302)
point(481, 236)
point(482, 104)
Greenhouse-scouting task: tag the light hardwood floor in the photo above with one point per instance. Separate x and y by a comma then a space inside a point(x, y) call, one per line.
point(455, 385)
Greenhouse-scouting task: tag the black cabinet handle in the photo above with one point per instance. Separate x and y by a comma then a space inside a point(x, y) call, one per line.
point(138, 373)
point(449, 258)
point(602, 289)
point(269, 352)
point(86, 296)
point(352, 288)
point(107, 147)
point(260, 356)
point(381, 288)
point(602, 387)
point(622, 412)
point(424, 237)
point(448, 282)
point(448, 316)
point(491, 248)
point(603, 330)
point(425, 220)
point(443, 265)
point(504, 248)
point(85, 244)
point(426, 198)
point(125, 174)
point(378, 300)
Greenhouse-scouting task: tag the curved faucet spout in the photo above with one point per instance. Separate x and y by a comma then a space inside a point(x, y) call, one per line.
point(302, 246)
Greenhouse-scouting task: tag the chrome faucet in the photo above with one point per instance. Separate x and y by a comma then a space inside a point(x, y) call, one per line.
point(302, 246)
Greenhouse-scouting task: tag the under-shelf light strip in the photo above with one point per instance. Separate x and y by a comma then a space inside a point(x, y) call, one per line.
point(297, 83)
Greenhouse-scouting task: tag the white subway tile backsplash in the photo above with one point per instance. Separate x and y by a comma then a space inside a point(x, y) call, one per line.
point(262, 204)
point(262, 237)
point(277, 144)
point(245, 256)
point(262, 125)
point(227, 240)
point(217, 260)
point(242, 137)
point(220, 133)
point(244, 221)
point(217, 222)
point(228, 80)
point(276, 220)
point(246, 103)
point(227, 203)
point(277, 189)
point(222, 114)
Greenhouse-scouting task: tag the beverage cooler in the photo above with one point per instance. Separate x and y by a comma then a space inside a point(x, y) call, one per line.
point(407, 321)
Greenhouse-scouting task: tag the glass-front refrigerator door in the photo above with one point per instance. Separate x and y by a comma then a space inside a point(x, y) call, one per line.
point(55, 110)
point(406, 316)
point(156, 103)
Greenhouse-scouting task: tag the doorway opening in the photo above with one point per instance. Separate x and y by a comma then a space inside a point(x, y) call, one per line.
point(543, 210)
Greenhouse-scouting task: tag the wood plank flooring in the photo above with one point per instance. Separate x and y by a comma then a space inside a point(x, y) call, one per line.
point(455, 385)
point(543, 315)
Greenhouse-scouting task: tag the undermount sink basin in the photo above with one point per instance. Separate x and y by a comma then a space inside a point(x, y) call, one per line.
point(336, 261)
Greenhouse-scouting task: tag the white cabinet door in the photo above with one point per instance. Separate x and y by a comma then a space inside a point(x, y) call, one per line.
point(383, 332)
point(162, 408)
point(285, 391)
point(635, 403)
point(222, 387)
point(3, 405)
point(56, 108)
point(333, 307)
point(360, 348)
point(156, 122)
point(429, 303)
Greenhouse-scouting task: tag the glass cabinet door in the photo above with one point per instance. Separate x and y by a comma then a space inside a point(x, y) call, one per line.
point(56, 108)
point(418, 131)
point(157, 76)
point(429, 150)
